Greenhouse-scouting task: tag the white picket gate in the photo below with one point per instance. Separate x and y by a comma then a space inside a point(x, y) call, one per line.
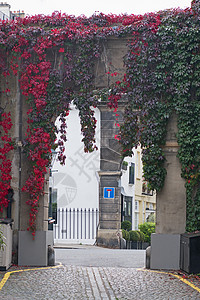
point(76, 225)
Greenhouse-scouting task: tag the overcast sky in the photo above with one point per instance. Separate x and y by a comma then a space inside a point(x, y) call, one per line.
point(88, 7)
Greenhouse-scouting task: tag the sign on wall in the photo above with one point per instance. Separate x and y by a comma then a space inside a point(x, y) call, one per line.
point(109, 193)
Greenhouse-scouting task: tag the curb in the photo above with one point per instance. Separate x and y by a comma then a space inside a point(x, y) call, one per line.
point(175, 275)
point(7, 275)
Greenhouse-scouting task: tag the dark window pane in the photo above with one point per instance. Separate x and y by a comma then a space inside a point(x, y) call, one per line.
point(132, 173)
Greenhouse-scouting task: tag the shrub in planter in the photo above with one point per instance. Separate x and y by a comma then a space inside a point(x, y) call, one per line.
point(142, 236)
point(124, 165)
point(134, 239)
point(147, 228)
point(125, 235)
point(2, 238)
point(126, 225)
point(134, 236)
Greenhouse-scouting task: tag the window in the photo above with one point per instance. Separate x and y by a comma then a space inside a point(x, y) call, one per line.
point(54, 195)
point(136, 221)
point(132, 173)
point(136, 206)
point(138, 166)
point(128, 206)
point(125, 208)
point(151, 206)
point(145, 189)
point(129, 209)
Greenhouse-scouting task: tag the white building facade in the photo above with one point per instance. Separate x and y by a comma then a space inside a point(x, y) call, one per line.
point(75, 188)
point(7, 14)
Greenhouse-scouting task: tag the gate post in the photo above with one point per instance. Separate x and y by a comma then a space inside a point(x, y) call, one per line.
point(109, 231)
point(32, 252)
point(170, 208)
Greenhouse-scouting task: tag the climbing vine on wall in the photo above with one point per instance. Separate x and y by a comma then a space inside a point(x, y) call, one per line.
point(162, 76)
point(5, 162)
point(163, 72)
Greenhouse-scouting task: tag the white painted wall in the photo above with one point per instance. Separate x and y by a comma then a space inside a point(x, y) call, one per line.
point(4, 11)
point(77, 181)
point(129, 189)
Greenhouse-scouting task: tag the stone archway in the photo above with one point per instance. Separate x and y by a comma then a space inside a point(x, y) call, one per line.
point(110, 212)
point(111, 59)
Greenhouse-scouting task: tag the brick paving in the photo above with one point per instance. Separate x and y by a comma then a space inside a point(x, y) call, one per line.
point(80, 282)
point(96, 273)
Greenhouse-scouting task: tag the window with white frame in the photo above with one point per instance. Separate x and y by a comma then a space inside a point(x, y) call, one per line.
point(151, 206)
point(132, 173)
point(136, 221)
point(138, 172)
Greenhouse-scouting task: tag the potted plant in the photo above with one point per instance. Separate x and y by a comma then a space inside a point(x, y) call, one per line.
point(126, 237)
point(134, 238)
point(124, 165)
point(2, 238)
point(141, 239)
point(5, 244)
point(147, 228)
point(126, 225)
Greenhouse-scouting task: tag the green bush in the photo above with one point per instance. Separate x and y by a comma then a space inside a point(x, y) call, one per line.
point(142, 236)
point(134, 236)
point(126, 225)
point(147, 228)
point(125, 235)
point(2, 238)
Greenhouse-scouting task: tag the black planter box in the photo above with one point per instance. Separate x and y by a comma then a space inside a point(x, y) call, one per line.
point(145, 245)
point(133, 245)
point(190, 252)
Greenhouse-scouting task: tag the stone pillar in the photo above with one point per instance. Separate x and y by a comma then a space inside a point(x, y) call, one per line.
point(109, 231)
point(170, 207)
point(32, 252)
point(10, 102)
point(171, 200)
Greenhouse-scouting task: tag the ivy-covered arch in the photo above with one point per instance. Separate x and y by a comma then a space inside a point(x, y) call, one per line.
point(162, 76)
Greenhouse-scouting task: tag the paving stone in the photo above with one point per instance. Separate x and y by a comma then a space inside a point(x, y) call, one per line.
point(78, 282)
point(98, 274)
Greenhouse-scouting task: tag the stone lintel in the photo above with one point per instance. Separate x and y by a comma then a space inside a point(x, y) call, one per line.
point(110, 173)
point(121, 105)
point(171, 144)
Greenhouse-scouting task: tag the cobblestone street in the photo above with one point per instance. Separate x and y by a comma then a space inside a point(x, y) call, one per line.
point(96, 282)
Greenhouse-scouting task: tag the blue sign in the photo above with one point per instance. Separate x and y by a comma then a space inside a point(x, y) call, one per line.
point(109, 193)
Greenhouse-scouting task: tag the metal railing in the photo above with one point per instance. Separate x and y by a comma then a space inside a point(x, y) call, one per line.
point(3, 16)
point(76, 224)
